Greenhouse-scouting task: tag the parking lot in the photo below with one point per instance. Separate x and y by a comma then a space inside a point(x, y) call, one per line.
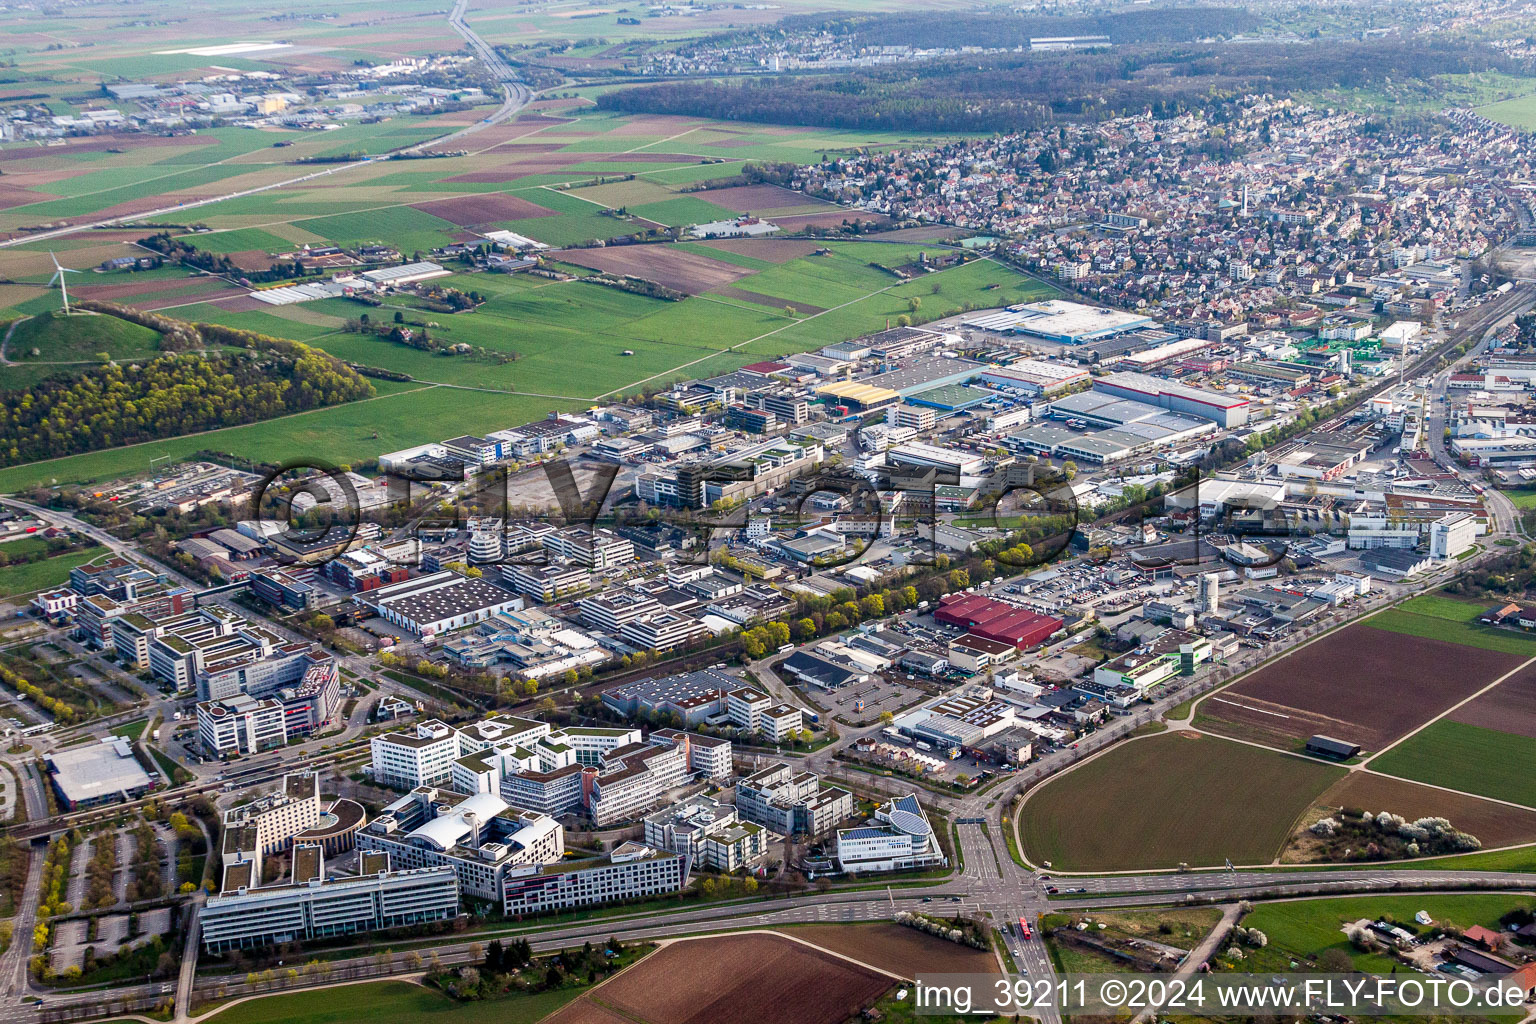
point(877, 695)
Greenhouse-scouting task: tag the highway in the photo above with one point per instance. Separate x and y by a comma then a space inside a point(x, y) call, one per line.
point(517, 96)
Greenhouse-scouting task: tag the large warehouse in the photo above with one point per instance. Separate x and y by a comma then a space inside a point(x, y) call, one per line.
point(1035, 376)
point(997, 620)
point(438, 602)
point(1070, 323)
point(1224, 410)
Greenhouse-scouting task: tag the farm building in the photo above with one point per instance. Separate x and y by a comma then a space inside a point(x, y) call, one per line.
point(1327, 746)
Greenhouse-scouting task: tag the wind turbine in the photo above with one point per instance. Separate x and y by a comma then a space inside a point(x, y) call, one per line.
point(58, 275)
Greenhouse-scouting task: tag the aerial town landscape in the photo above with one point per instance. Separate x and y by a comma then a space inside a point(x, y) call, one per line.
point(780, 512)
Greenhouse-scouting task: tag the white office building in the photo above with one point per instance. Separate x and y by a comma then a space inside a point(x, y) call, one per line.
point(632, 871)
point(1452, 535)
point(240, 725)
point(898, 838)
point(479, 837)
point(249, 918)
point(425, 757)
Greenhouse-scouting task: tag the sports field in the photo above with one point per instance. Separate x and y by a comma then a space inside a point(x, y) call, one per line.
point(1469, 758)
point(1171, 798)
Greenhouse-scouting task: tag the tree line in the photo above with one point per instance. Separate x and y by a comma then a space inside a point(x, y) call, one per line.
point(1020, 91)
point(215, 263)
point(176, 393)
point(997, 30)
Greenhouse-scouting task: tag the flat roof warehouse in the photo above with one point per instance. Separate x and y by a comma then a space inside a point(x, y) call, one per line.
point(1070, 323)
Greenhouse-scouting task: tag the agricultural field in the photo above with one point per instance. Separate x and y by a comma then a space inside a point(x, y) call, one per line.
point(897, 949)
point(535, 334)
point(1362, 684)
point(391, 1001)
point(731, 979)
point(512, 175)
point(1509, 707)
point(1494, 823)
point(1168, 799)
point(1467, 758)
point(668, 265)
point(1444, 618)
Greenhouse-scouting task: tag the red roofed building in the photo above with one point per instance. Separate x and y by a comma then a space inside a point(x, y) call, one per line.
point(997, 620)
point(1485, 937)
point(766, 368)
point(1523, 978)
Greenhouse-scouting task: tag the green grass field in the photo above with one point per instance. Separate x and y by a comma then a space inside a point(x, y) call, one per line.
point(553, 329)
point(1468, 758)
point(391, 1001)
point(238, 240)
point(1171, 798)
point(1521, 499)
point(404, 414)
point(17, 580)
point(79, 338)
point(1439, 606)
point(1439, 625)
point(131, 730)
point(1304, 928)
point(1519, 112)
point(404, 227)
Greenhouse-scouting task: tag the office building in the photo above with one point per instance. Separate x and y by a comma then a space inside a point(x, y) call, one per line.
point(791, 802)
point(479, 837)
point(407, 760)
point(595, 549)
point(898, 838)
point(631, 871)
point(1453, 535)
point(279, 816)
point(682, 827)
point(241, 724)
point(251, 917)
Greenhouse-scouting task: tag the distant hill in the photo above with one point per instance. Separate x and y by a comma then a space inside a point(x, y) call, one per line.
point(80, 337)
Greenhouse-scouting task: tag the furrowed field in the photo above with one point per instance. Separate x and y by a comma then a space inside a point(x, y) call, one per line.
point(1369, 683)
point(1171, 798)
